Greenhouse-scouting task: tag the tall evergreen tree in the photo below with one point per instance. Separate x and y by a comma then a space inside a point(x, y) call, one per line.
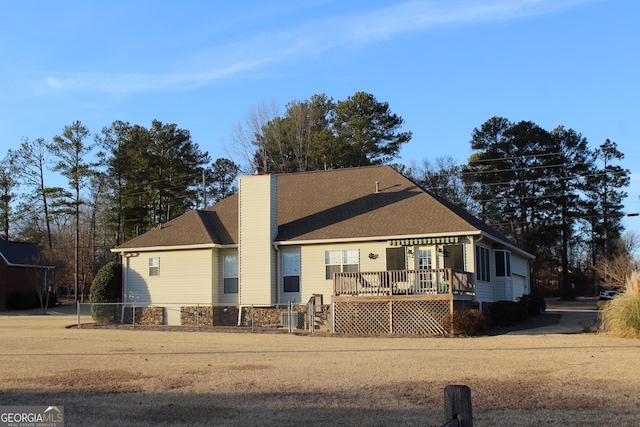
point(117, 161)
point(72, 149)
point(220, 178)
point(155, 174)
point(320, 134)
point(508, 163)
point(605, 193)
point(367, 131)
point(8, 184)
point(174, 163)
point(565, 182)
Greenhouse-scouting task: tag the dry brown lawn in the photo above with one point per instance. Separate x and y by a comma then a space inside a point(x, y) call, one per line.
point(118, 377)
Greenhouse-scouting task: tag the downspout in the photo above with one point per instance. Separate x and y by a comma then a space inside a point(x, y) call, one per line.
point(125, 286)
point(475, 274)
point(276, 247)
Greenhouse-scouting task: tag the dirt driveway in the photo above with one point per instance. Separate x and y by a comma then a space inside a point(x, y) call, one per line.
point(112, 377)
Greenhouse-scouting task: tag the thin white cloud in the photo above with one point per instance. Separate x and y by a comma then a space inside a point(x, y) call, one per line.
point(310, 38)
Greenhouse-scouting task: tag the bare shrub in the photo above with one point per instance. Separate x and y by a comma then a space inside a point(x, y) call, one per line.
point(466, 322)
point(621, 316)
point(614, 272)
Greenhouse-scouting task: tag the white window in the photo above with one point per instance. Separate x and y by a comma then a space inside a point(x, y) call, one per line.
point(154, 266)
point(230, 274)
point(341, 261)
point(424, 259)
point(483, 264)
point(291, 271)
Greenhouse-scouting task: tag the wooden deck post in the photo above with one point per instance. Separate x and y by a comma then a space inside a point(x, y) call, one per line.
point(457, 405)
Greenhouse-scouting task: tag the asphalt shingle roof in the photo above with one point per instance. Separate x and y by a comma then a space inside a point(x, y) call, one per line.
point(21, 254)
point(336, 204)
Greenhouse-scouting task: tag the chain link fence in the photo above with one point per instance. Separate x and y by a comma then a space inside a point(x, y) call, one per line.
point(291, 317)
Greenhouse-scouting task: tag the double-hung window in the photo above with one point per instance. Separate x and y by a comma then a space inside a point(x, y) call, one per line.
point(337, 261)
point(154, 266)
point(291, 271)
point(230, 274)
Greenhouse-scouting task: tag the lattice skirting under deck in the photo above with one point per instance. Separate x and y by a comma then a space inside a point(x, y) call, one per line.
point(390, 317)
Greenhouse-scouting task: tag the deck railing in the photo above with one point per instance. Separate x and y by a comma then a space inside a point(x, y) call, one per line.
point(439, 281)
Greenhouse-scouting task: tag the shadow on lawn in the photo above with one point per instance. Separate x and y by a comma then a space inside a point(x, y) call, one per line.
point(541, 320)
point(250, 409)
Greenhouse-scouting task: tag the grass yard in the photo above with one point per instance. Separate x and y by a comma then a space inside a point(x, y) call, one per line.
point(116, 377)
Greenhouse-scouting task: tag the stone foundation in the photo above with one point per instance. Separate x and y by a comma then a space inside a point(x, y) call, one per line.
point(270, 316)
point(145, 316)
point(228, 316)
point(207, 316)
point(204, 316)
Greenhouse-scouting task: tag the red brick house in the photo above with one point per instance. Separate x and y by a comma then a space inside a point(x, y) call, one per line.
point(22, 269)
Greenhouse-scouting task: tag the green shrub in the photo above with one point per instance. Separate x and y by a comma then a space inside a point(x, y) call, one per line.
point(466, 322)
point(106, 287)
point(601, 304)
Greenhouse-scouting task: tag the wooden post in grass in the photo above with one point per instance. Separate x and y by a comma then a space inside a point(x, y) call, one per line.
point(457, 405)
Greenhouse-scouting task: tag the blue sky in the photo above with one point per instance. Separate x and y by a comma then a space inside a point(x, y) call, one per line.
point(445, 66)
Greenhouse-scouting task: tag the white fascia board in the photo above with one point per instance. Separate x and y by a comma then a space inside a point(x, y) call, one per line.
point(11, 264)
point(45, 267)
point(172, 248)
point(509, 245)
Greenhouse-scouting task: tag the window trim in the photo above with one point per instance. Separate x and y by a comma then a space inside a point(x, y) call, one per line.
point(428, 257)
point(230, 278)
point(154, 266)
point(291, 272)
point(345, 264)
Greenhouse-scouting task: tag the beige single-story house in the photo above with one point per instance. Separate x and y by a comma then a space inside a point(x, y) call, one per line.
point(353, 234)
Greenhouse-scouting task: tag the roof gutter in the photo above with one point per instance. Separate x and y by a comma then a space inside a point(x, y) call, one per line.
point(172, 248)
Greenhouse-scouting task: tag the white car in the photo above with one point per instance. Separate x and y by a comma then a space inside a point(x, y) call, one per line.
point(608, 294)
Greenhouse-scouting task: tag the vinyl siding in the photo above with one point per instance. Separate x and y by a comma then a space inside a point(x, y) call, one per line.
point(485, 291)
point(313, 272)
point(185, 278)
point(258, 228)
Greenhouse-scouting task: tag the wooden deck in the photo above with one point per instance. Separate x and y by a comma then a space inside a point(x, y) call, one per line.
point(398, 302)
point(442, 281)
